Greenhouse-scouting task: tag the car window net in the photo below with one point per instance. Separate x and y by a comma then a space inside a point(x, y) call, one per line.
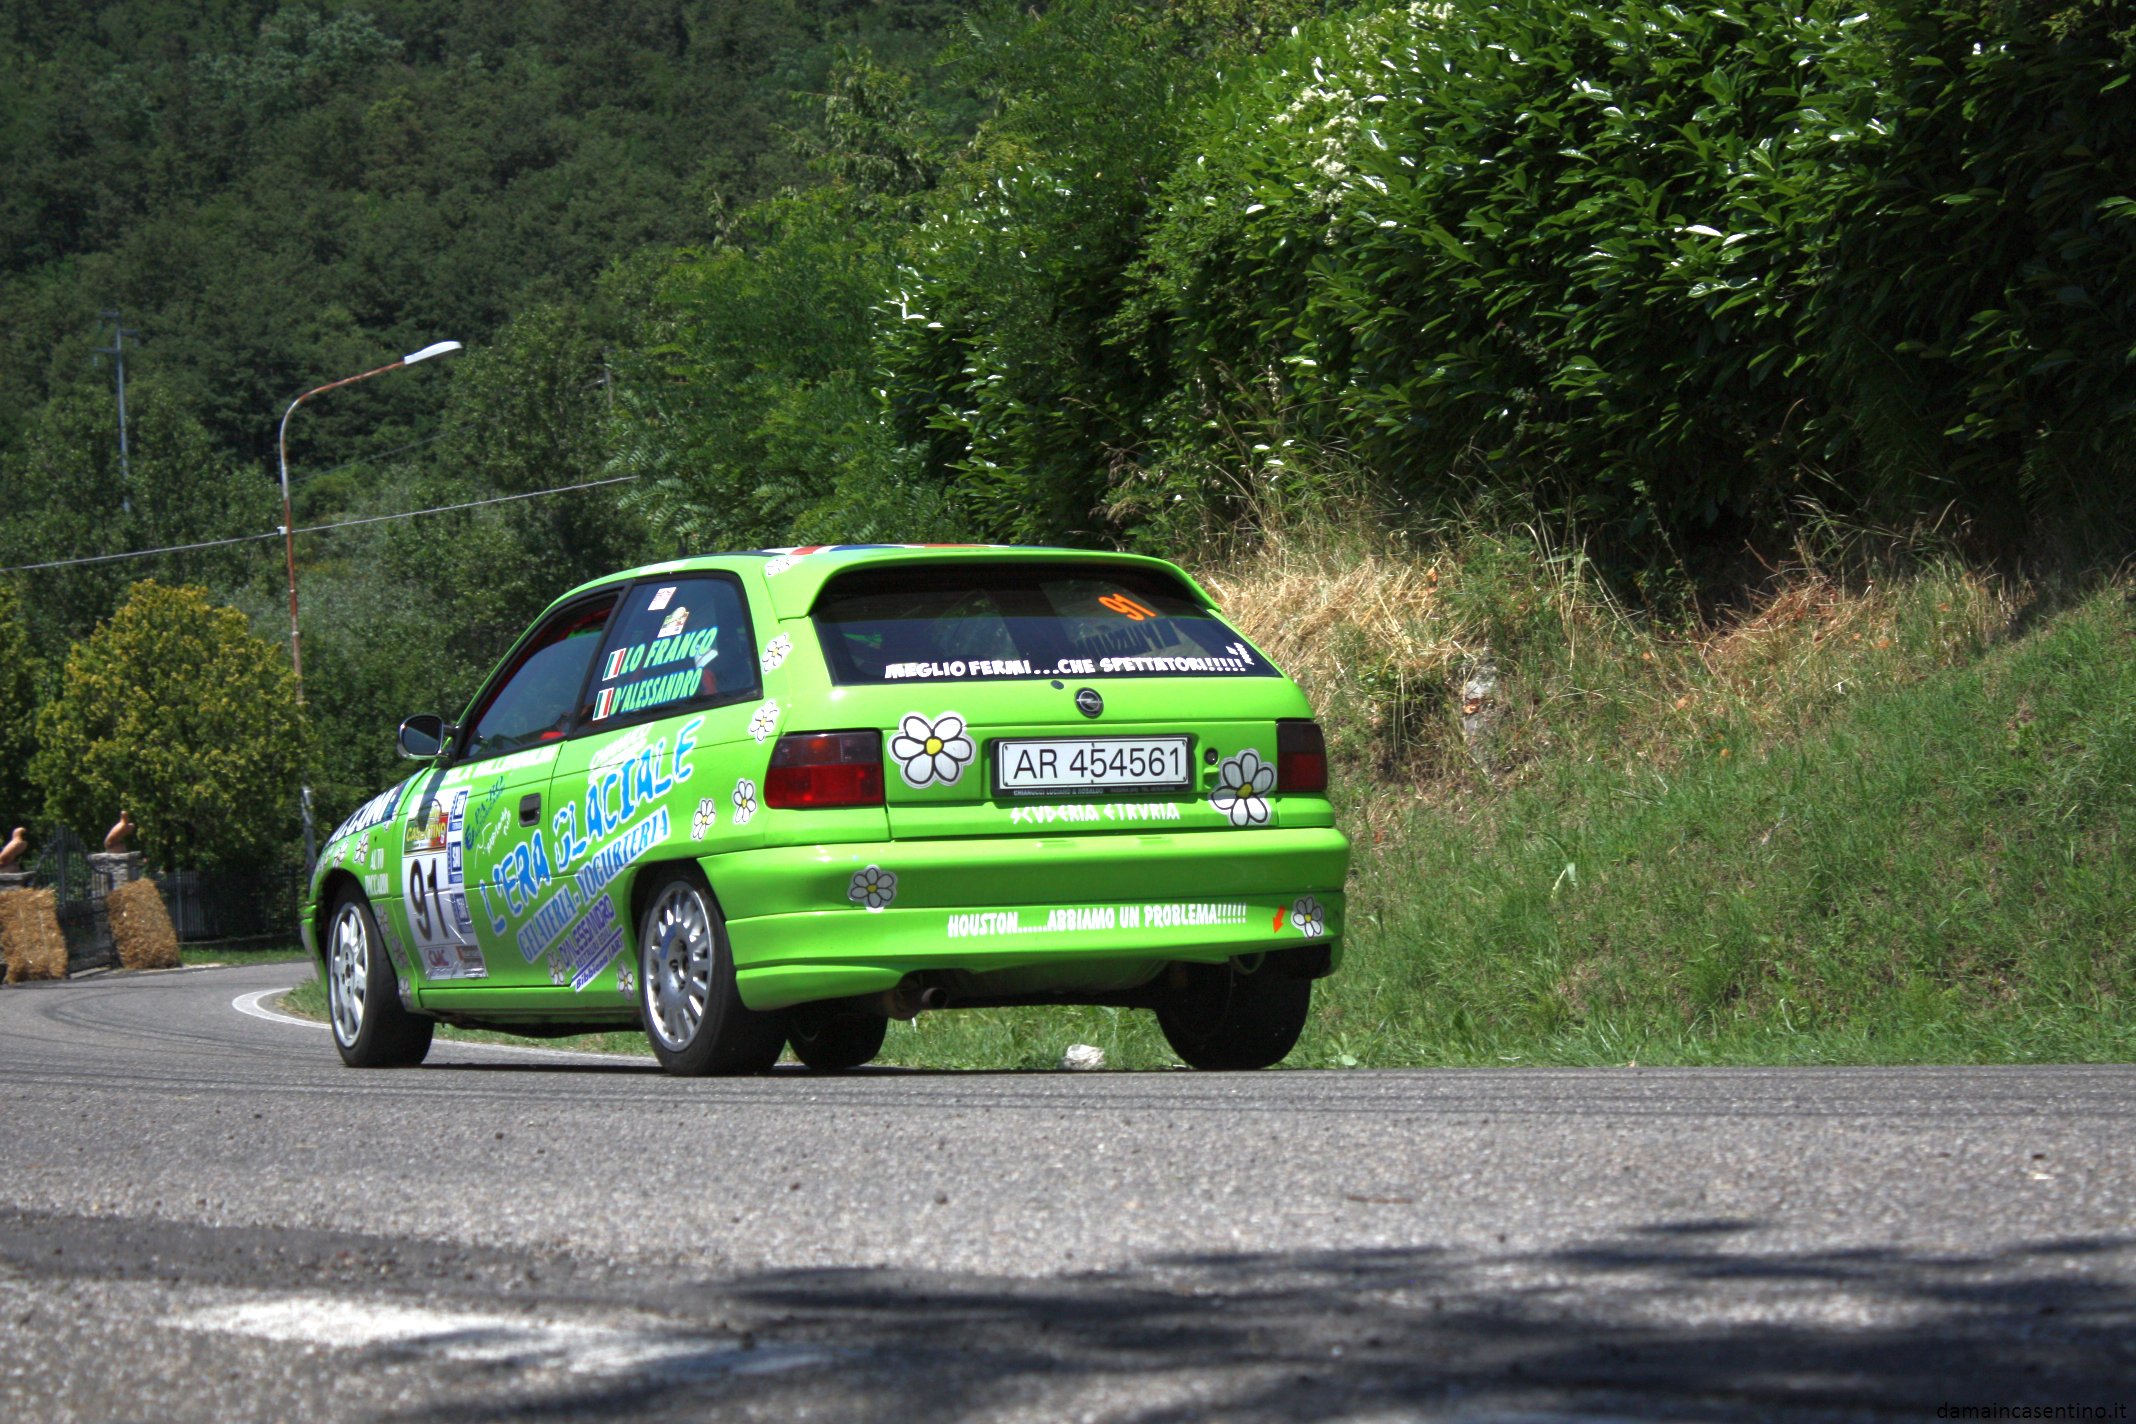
point(995, 622)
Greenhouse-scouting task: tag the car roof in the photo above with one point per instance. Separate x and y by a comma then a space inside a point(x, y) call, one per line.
point(795, 575)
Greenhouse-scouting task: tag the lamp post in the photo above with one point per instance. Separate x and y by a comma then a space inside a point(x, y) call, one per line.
point(289, 536)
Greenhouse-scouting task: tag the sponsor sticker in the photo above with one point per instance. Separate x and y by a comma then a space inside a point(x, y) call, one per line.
point(1098, 919)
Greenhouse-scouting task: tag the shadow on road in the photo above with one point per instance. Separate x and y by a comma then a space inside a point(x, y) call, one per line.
point(1683, 1317)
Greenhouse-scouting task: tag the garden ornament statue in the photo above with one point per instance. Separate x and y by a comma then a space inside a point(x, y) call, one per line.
point(17, 846)
point(121, 831)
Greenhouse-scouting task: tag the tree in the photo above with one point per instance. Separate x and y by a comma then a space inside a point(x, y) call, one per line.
point(19, 670)
point(175, 712)
point(69, 496)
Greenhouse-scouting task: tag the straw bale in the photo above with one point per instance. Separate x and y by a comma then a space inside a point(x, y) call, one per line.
point(30, 938)
point(141, 926)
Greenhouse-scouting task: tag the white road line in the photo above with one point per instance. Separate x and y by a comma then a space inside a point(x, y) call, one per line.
point(253, 1005)
point(473, 1337)
point(250, 1005)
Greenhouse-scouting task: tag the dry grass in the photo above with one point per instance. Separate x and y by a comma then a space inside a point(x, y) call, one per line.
point(1308, 608)
point(1382, 637)
point(30, 938)
point(141, 926)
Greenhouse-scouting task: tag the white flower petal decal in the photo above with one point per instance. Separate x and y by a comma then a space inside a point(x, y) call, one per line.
point(1242, 785)
point(766, 718)
point(1309, 917)
point(779, 564)
point(934, 751)
point(625, 981)
point(873, 887)
point(775, 652)
point(707, 816)
point(744, 799)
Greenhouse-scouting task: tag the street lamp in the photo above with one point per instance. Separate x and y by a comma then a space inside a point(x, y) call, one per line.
point(289, 532)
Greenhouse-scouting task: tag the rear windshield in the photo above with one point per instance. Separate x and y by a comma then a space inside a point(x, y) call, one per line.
point(995, 622)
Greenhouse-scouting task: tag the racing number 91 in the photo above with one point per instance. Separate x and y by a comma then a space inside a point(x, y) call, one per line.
point(423, 909)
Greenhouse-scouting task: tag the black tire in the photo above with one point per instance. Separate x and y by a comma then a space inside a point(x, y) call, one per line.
point(1227, 1020)
point(687, 1000)
point(371, 1028)
point(833, 1042)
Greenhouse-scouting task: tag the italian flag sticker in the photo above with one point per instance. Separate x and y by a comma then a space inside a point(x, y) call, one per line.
point(605, 703)
point(615, 664)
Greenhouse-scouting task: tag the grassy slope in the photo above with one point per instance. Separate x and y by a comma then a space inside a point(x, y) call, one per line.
point(1939, 870)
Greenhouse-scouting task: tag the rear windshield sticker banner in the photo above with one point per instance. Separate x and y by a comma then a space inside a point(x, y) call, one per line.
point(1068, 667)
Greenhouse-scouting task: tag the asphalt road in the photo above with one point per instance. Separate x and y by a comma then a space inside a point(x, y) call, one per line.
point(204, 1216)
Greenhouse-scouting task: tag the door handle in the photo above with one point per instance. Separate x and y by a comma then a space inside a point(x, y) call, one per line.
point(530, 808)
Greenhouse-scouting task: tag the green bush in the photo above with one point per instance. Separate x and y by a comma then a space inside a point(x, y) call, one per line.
point(173, 711)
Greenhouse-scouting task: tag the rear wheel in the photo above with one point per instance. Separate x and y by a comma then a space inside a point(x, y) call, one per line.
point(1221, 1018)
point(831, 1042)
point(693, 1013)
point(371, 1029)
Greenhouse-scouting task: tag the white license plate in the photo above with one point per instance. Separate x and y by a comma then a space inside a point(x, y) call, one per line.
point(1091, 764)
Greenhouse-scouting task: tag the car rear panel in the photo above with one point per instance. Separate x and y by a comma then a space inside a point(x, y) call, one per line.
point(1090, 889)
point(1039, 912)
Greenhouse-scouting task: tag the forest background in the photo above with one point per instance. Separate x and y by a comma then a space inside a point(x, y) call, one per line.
point(1575, 397)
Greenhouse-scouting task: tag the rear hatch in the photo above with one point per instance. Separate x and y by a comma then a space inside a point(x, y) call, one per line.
point(1062, 694)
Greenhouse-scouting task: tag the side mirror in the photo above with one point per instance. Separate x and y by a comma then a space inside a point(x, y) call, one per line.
point(424, 735)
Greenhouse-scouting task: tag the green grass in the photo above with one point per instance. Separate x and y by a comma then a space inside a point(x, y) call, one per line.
point(1937, 871)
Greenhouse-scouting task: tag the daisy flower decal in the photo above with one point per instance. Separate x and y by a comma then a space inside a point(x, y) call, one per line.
point(1309, 917)
point(766, 718)
point(930, 752)
point(744, 799)
point(1242, 784)
point(775, 652)
point(779, 564)
point(873, 887)
point(625, 982)
point(706, 817)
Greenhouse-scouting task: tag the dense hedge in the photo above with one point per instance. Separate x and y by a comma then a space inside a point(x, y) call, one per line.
point(1653, 265)
point(1665, 263)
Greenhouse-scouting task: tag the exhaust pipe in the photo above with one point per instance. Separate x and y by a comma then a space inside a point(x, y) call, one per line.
point(906, 1004)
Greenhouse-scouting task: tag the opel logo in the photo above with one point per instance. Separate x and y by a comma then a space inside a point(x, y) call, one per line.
point(1088, 702)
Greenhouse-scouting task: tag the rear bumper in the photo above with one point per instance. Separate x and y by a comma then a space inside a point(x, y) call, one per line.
point(1032, 914)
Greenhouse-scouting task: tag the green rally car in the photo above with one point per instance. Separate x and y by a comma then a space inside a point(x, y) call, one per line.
point(753, 800)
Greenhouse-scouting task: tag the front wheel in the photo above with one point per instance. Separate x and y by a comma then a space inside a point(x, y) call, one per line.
point(694, 1015)
point(1222, 1018)
point(371, 1029)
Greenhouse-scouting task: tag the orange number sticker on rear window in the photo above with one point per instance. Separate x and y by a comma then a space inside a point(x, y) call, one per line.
point(1120, 603)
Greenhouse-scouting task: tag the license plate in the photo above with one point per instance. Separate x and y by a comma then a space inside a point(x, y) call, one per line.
point(1091, 764)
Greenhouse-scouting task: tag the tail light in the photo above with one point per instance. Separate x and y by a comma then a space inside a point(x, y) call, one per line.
point(811, 770)
point(1301, 757)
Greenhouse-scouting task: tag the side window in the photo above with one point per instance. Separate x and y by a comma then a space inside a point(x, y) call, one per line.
point(536, 700)
point(674, 644)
